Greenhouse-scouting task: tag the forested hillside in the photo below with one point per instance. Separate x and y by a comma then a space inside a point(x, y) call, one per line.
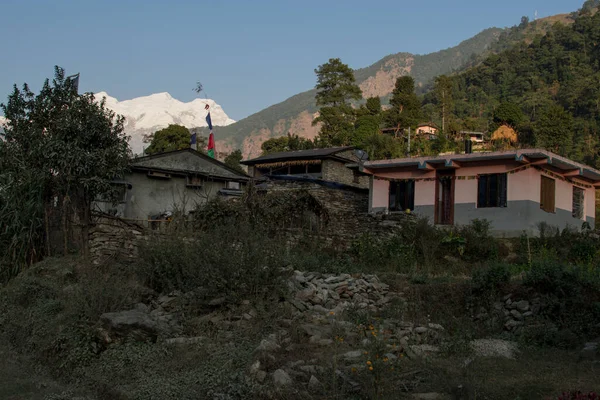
point(549, 85)
point(295, 114)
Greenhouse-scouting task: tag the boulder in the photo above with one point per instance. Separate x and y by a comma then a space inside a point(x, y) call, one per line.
point(494, 348)
point(314, 384)
point(523, 305)
point(590, 351)
point(132, 324)
point(281, 378)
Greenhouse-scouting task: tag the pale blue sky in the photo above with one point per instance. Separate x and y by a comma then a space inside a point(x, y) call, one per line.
point(248, 54)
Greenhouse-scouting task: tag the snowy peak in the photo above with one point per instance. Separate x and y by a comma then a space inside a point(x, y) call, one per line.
point(147, 114)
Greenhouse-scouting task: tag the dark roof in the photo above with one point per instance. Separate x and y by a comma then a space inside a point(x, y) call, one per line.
point(188, 161)
point(311, 154)
point(445, 161)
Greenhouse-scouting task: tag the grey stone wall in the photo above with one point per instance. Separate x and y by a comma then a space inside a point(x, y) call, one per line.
point(113, 239)
point(335, 171)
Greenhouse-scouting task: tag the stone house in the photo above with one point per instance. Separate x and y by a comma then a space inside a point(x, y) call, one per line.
point(335, 164)
point(159, 185)
point(515, 190)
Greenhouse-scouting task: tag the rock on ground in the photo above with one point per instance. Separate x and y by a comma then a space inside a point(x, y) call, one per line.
point(281, 378)
point(494, 348)
point(134, 324)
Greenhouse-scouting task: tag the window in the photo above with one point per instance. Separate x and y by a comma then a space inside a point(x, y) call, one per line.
point(578, 201)
point(232, 185)
point(194, 181)
point(491, 190)
point(402, 195)
point(547, 195)
point(313, 168)
point(298, 169)
point(355, 177)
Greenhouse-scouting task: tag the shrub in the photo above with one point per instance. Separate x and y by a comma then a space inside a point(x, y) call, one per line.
point(479, 244)
point(491, 278)
point(231, 260)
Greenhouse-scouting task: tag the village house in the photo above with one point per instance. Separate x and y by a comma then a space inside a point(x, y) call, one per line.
point(334, 164)
point(178, 181)
point(514, 190)
point(428, 130)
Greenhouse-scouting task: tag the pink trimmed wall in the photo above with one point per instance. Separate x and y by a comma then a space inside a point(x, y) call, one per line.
point(524, 185)
point(465, 191)
point(424, 193)
point(590, 203)
point(380, 194)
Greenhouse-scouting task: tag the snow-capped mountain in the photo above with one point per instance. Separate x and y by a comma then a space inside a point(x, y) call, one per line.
point(147, 114)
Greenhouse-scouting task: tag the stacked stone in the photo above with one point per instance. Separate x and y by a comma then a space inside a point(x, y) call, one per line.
point(515, 312)
point(113, 239)
point(333, 293)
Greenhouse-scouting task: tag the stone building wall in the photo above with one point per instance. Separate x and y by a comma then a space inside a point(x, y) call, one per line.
point(336, 171)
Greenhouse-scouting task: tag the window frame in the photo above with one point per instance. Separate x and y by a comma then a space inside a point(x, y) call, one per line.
point(409, 195)
point(500, 199)
point(577, 189)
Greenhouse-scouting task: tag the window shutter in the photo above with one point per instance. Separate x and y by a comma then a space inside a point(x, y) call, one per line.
point(393, 196)
point(482, 191)
point(411, 195)
point(502, 190)
point(548, 194)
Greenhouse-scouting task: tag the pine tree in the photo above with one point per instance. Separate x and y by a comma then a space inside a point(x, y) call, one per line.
point(336, 88)
point(405, 110)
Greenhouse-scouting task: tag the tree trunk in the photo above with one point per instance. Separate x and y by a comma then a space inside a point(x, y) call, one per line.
point(65, 226)
point(47, 227)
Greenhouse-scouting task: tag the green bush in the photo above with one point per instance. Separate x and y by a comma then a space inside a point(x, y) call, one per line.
point(491, 278)
point(479, 245)
point(230, 260)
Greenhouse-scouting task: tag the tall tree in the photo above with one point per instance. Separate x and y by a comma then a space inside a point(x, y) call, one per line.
point(336, 88)
point(286, 143)
point(405, 107)
point(233, 160)
point(553, 130)
point(368, 121)
point(173, 137)
point(443, 93)
point(70, 145)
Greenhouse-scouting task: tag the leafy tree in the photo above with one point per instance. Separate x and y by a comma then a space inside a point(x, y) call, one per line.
point(233, 160)
point(405, 110)
point(368, 121)
point(443, 93)
point(56, 145)
point(336, 88)
point(286, 143)
point(508, 113)
point(381, 147)
point(553, 130)
point(173, 137)
point(373, 106)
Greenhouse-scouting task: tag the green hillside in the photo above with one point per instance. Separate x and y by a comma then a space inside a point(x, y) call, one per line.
point(423, 69)
point(553, 79)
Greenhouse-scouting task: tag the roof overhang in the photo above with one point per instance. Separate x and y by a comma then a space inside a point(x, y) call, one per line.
point(540, 157)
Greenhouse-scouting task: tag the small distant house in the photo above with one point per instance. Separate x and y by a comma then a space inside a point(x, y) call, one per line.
point(334, 164)
point(475, 137)
point(161, 184)
point(515, 190)
point(428, 130)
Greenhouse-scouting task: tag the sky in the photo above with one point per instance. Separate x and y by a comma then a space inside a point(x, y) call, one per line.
point(247, 54)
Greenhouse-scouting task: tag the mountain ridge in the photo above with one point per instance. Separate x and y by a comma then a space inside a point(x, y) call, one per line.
point(295, 114)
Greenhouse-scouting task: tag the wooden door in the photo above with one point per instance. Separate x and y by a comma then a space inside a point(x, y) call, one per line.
point(444, 198)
